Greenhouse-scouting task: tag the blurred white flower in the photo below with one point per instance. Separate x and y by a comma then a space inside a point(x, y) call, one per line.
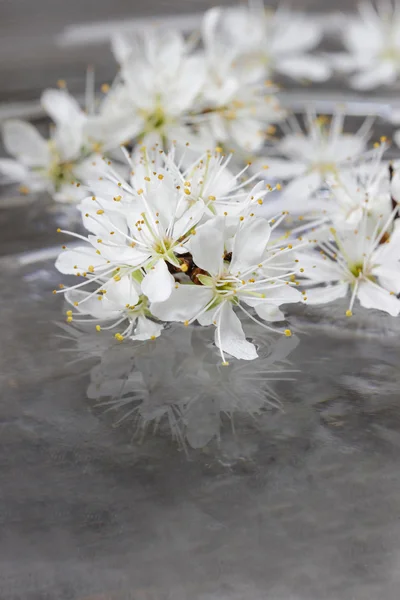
point(322, 151)
point(263, 42)
point(156, 91)
point(354, 261)
point(237, 107)
point(59, 165)
point(373, 46)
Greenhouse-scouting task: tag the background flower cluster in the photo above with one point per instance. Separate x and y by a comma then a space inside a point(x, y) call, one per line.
point(202, 198)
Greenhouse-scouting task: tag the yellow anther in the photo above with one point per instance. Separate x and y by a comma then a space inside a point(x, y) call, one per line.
point(119, 337)
point(349, 313)
point(91, 269)
point(69, 319)
point(184, 267)
point(105, 88)
point(287, 332)
point(100, 211)
point(278, 186)
point(117, 198)
point(62, 84)
point(98, 328)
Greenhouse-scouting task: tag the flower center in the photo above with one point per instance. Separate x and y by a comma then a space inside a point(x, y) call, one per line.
point(391, 54)
point(154, 120)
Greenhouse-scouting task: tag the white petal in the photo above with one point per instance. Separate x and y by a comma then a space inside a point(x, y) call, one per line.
point(103, 310)
point(342, 61)
point(395, 183)
point(323, 295)
point(207, 246)
point(189, 219)
point(313, 68)
point(302, 187)
point(389, 276)
point(81, 257)
point(282, 294)
point(184, 303)
point(230, 337)
point(68, 140)
point(146, 329)
point(158, 283)
point(23, 141)
point(318, 269)
point(248, 134)
point(269, 312)
point(294, 33)
point(381, 74)
point(280, 169)
point(62, 107)
point(11, 171)
point(249, 244)
point(122, 292)
point(372, 295)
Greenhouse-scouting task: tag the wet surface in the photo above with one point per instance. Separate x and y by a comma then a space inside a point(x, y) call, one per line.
point(298, 501)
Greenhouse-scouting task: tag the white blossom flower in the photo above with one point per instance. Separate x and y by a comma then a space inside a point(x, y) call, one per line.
point(264, 42)
point(322, 151)
point(119, 302)
point(146, 239)
point(237, 108)
point(230, 265)
point(59, 165)
point(157, 89)
point(373, 46)
point(365, 191)
point(366, 266)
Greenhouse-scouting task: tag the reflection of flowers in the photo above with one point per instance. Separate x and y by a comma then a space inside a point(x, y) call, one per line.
point(176, 381)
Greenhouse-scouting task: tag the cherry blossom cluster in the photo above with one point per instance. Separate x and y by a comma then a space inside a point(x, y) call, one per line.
point(180, 244)
point(177, 169)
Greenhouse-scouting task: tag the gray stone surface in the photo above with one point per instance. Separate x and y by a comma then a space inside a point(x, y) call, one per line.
point(297, 504)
